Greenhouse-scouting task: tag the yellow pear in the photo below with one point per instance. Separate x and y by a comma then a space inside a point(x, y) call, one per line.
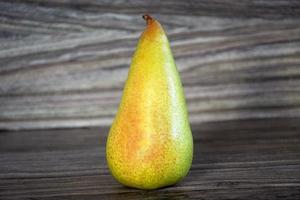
point(150, 143)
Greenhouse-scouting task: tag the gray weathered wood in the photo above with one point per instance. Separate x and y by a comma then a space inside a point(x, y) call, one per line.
point(242, 159)
point(63, 64)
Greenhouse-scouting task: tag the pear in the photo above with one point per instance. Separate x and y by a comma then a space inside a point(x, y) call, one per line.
point(150, 143)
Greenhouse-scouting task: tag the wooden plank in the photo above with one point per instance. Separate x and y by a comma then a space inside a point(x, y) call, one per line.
point(244, 159)
point(63, 64)
point(261, 8)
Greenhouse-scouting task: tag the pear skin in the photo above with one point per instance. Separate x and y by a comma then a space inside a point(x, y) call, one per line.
point(150, 143)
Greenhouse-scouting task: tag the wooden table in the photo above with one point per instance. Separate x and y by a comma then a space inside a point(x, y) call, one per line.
point(257, 159)
point(62, 69)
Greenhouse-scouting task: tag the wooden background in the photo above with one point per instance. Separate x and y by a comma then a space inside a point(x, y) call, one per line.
point(63, 65)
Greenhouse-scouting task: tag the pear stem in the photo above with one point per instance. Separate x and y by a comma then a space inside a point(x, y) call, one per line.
point(148, 18)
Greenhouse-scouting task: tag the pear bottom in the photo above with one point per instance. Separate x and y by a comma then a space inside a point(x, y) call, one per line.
point(150, 171)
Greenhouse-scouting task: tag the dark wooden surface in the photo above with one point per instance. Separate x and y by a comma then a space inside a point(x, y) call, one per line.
point(64, 63)
point(252, 159)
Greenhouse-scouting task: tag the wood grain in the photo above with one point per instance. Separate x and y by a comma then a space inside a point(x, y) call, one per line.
point(63, 64)
point(243, 159)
